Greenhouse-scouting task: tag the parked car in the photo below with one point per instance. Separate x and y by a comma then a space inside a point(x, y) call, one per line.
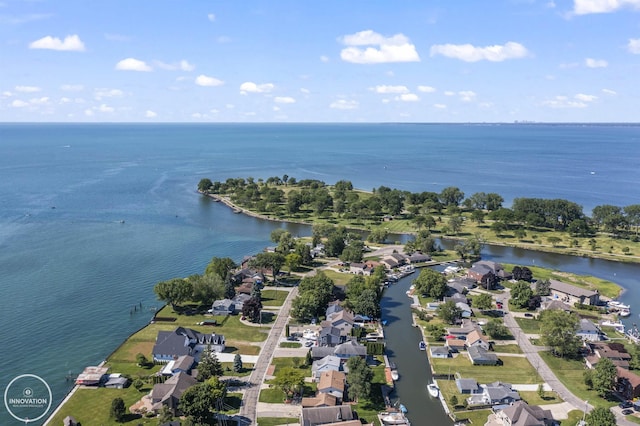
point(292, 338)
point(308, 343)
point(625, 404)
point(627, 412)
point(528, 315)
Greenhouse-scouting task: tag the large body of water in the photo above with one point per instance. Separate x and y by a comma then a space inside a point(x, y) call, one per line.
point(70, 271)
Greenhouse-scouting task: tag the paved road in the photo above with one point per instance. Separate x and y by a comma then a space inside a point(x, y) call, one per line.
point(250, 399)
point(543, 369)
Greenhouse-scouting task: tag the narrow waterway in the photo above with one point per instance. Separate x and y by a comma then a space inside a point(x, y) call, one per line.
point(413, 366)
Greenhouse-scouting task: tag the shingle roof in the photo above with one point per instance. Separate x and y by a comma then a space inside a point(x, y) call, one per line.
point(323, 415)
point(332, 379)
point(570, 289)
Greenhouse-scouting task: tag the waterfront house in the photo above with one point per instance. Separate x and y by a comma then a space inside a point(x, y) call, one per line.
point(343, 320)
point(333, 383)
point(316, 416)
point(480, 356)
point(417, 258)
point(168, 394)
point(494, 267)
point(522, 414)
point(461, 284)
point(496, 393)
point(468, 386)
point(333, 308)
point(182, 364)
point(330, 336)
point(360, 269)
point(588, 331)
point(613, 351)
point(116, 381)
point(456, 298)
point(328, 363)
point(350, 349)
point(476, 338)
point(223, 307)
point(439, 352)
point(571, 294)
point(555, 304)
point(184, 341)
point(320, 400)
point(465, 328)
point(627, 383)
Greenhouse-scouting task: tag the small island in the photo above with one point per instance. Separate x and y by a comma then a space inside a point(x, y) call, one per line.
point(296, 333)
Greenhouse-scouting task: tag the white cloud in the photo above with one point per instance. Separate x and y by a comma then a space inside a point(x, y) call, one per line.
point(101, 93)
point(183, 65)
point(206, 81)
point(440, 106)
point(344, 104)
point(471, 53)
point(564, 102)
point(449, 93)
point(132, 64)
point(596, 63)
point(88, 113)
point(585, 7)
point(196, 115)
point(467, 95)
point(72, 87)
point(284, 100)
point(19, 103)
point(305, 91)
point(634, 46)
point(27, 89)
point(150, 114)
point(211, 17)
point(251, 87)
point(408, 97)
point(39, 101)
point(390, 89)
point(609, 92)
point(105, 108)
point(381, 49)
point(585, 98)
point(223, 39)
point(426, 89)
point(276, 108)
point(324, 58)
point(65, 100)
point(70, 43)
point(7, 94)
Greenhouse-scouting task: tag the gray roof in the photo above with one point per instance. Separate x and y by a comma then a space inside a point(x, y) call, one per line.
point(351, 348)
point(184, 362)
point(226, 304)
point(169, 392)
point(523, 414)
point(571, 290)
point(587, 326)
point(478, 353)
point(498, 391)
point(438, 350)
point(171, 343)
point(321, 351)
point(466, 384)
point(328, 361)
point(322, 415)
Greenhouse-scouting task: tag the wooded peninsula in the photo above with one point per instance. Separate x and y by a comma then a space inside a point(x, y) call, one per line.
point(550, 225)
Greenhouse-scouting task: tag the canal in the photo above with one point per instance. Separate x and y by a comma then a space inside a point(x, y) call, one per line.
point(402, 339)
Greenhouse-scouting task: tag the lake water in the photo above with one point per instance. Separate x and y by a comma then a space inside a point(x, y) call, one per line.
point(71, 271)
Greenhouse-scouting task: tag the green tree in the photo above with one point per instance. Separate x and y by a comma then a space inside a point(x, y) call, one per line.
point(449, 312)
point(118, 410)
point(453, 401)
point(431, 283)
point(455, 223)
point(483, 301)
point(378, 235)
point(451, 196)
point(141, 360)
point(521, 292)
point(220, 266)
point(237, 363)
point(209, 366)
point(353, 252)
point(558, 330)
point(367, 304)
point(359, 379)
point(588, 378)
point(138, 384)
point(554, 240)
point(206, 288)
point(293, 261)
point(601, 416)
point(199, 402)
point(273, 261)
point(289, 380)
point(204, 185)
point(423, 242)
point(174, 292)
point(494, 201)
point(496, 329)
point(165, 415)
point(604, 376)
point(541, 392)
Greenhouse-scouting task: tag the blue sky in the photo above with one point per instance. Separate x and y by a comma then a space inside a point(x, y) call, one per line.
point(320, 61)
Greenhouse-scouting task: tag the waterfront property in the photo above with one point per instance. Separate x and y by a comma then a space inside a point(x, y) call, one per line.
point(316, 416)
point(496, 393)
point(168, 394)
point(92, 376)
point(627, 383)
point(332, 382)
point(521, 413)
point(571, 294)
point(184, 341)
point(480, 356)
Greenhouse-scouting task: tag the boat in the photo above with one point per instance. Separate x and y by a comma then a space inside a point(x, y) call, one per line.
point(617, 325)
point(624, 312)
point(618, 305)
point(393, 419)
point(422, 345)
point(433, 389)
point(403, 409)
point(633, 334)
point(394, 372)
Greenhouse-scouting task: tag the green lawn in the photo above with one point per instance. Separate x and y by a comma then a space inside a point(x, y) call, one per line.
point(92, 406)
point(271, 297)
point(514, 370)
point(475, 417)
point(571, 374)
point(509, 349)
point(528, 326)
point(290, 345)
point(288, 362)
